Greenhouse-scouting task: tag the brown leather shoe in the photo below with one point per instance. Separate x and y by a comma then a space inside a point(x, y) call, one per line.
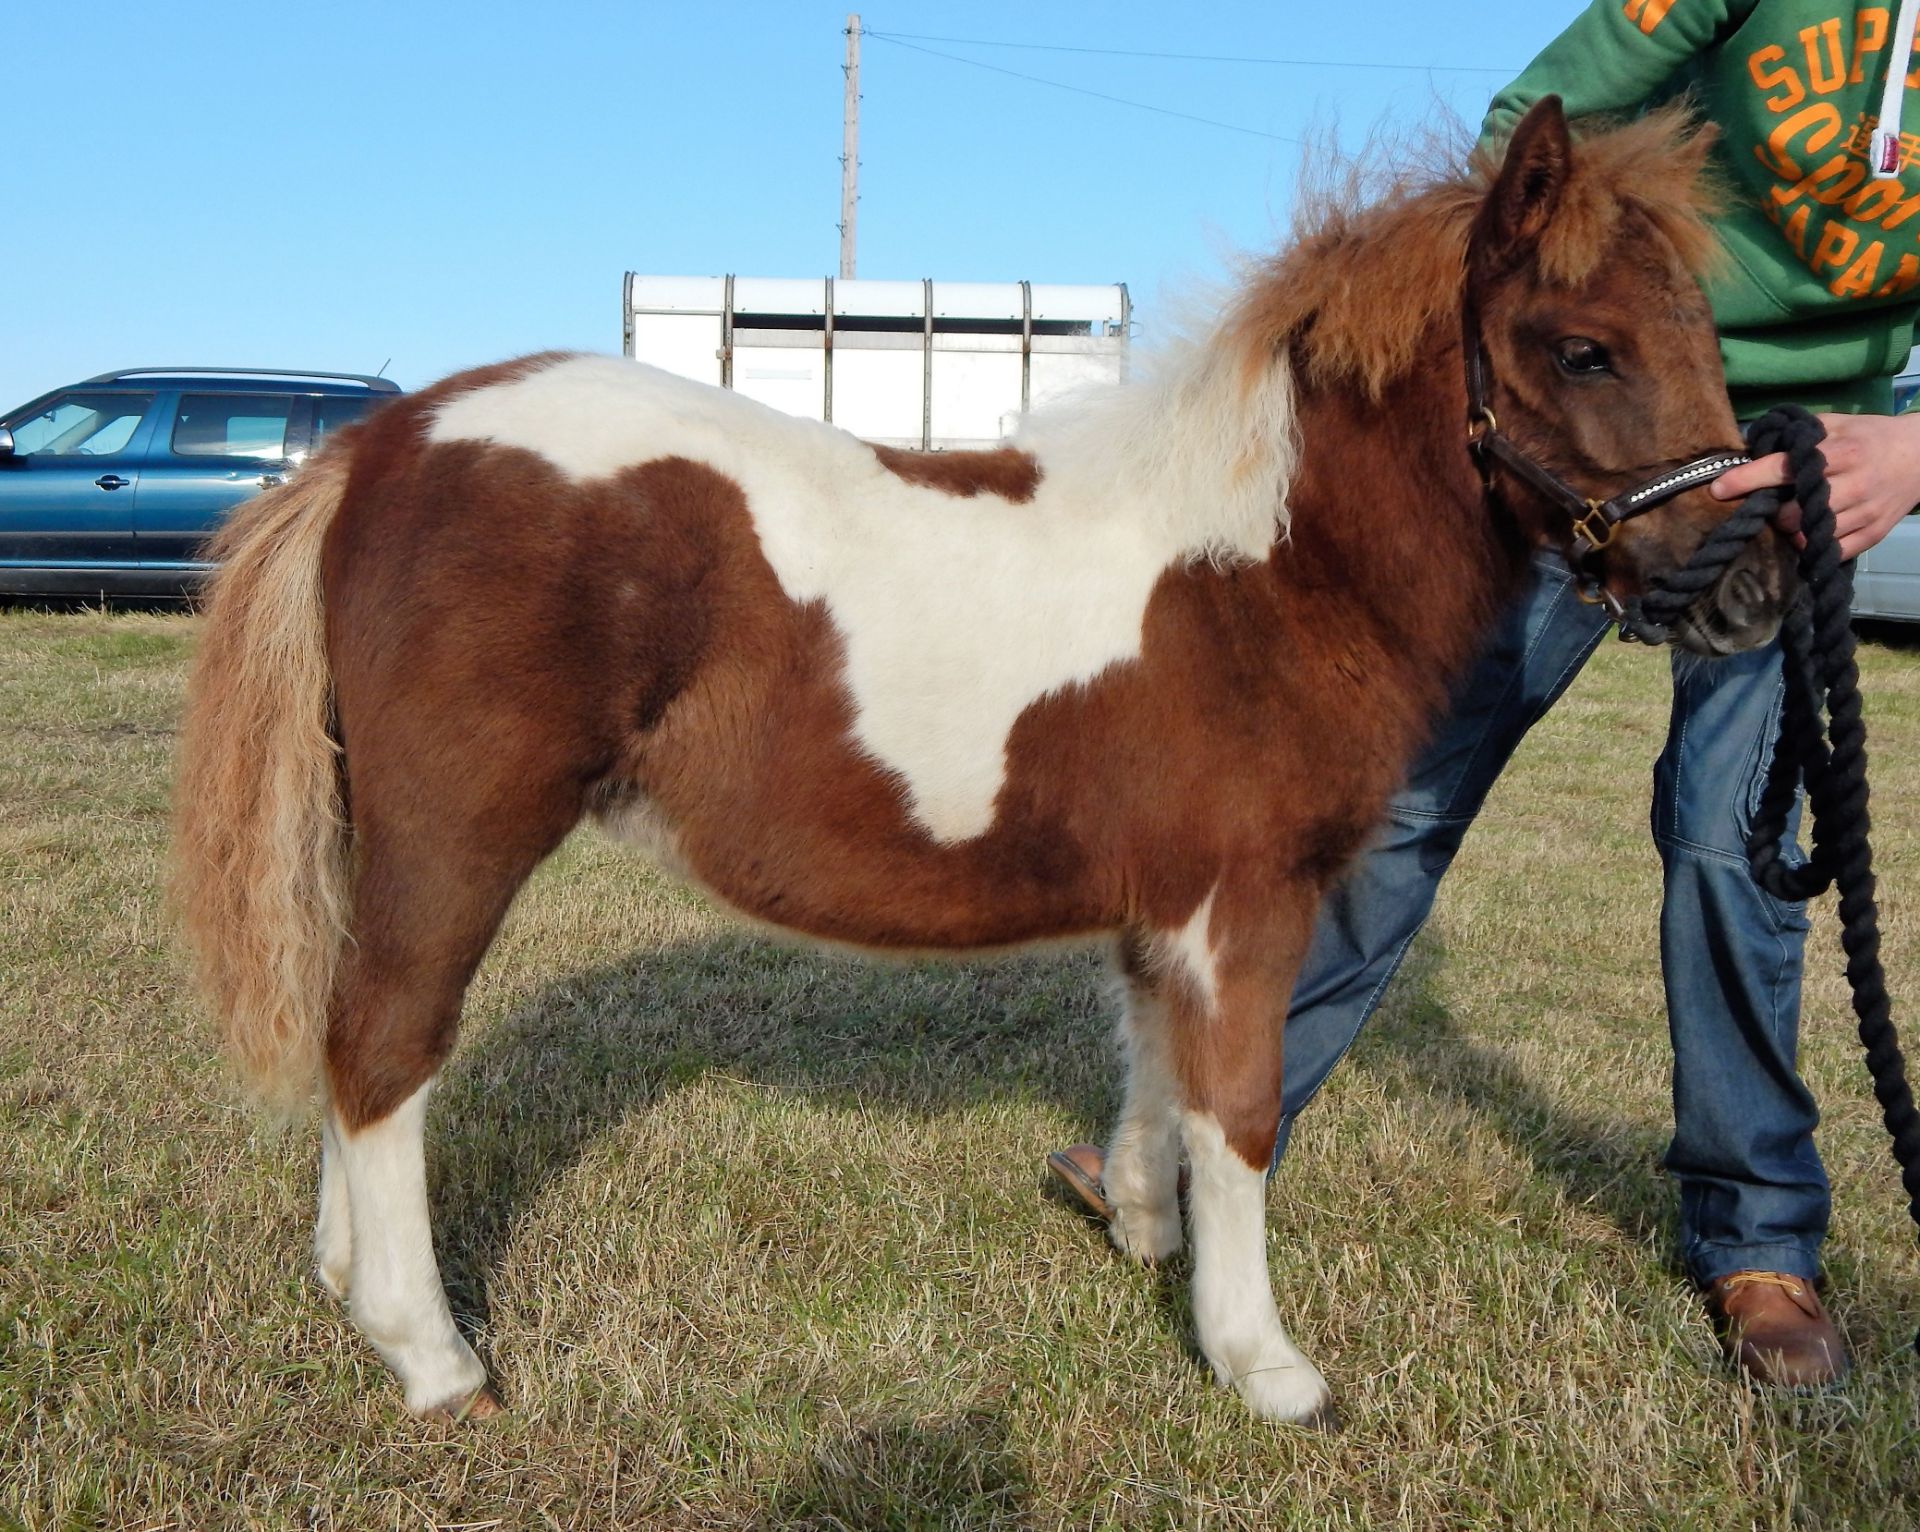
point(1774, 1330)
point(1079, 1167)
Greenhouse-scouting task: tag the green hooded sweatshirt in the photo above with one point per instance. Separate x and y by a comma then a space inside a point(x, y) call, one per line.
point(1817, 297)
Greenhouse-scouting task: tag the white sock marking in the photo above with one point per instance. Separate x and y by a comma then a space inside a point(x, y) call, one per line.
point(1240, 1330)
point(395, 1295)
point(332, 1228)
point(1143, 1163)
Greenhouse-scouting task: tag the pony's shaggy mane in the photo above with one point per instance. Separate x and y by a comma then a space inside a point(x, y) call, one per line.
point(1191, 449)
point(1200, 446)
point(1372, 267)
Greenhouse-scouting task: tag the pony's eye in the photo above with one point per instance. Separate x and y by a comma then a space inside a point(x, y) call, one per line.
point(1582, 357)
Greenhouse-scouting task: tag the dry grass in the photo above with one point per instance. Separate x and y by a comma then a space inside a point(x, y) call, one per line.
point(757, 1238)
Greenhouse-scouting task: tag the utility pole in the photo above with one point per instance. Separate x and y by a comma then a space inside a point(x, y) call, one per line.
point(850, 147)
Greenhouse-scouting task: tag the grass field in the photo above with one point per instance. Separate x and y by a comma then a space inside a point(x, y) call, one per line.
point(758, 1238)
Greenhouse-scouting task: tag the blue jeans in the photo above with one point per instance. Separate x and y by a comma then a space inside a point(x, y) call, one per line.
point(1752, 1190)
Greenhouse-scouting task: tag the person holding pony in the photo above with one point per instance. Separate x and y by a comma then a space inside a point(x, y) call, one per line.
point(1815, 302)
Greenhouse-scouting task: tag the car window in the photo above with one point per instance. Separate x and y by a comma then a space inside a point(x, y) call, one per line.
point(232, 425)
point(81, 425)
point(332, 411)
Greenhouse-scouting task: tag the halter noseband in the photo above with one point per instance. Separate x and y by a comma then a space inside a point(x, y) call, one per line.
point(1594, 520)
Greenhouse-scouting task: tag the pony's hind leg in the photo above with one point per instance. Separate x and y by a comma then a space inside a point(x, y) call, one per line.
point(426, 906)
point(332, 1228)
point(395, 1294)
point(1142, 1174)
point(1226, 985)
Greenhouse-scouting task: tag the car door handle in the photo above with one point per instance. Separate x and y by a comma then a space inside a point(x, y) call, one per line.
point(112, 481)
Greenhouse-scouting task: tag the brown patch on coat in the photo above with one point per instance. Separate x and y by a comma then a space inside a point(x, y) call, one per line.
point(1004, 471)
point(630, 642)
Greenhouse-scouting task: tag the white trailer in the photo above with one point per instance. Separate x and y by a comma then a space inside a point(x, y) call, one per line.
point(907, 364)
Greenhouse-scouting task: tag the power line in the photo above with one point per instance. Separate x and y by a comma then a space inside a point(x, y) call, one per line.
point(1197, 58)
point(1034, 79)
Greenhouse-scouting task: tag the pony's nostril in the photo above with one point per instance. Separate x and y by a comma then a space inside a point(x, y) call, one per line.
point(1746, 594)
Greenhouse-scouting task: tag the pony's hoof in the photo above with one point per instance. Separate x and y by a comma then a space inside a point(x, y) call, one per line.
point(482, 1404)
point(333, 1279)
point(1326, 1419)
point(1293, 1394)
point(1148, 1236)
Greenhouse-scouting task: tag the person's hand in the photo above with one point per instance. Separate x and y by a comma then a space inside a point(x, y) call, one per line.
point(1873, 469)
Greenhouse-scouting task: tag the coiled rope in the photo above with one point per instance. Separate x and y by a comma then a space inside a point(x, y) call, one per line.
point(1822, 743)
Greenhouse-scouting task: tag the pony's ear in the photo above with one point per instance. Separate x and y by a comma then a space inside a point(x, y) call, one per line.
point(1527, 191)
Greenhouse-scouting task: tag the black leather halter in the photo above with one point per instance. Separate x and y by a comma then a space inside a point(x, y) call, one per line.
point(1595, 521)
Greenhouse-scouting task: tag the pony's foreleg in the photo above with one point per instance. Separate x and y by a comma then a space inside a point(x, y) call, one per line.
point(1142, 1173)
point(1239, 1328)
point(1226, 982)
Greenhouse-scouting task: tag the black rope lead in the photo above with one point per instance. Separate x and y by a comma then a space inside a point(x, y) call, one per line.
point(1828, 755)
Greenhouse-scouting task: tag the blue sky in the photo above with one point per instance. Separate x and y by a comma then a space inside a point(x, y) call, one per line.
point(332, 185)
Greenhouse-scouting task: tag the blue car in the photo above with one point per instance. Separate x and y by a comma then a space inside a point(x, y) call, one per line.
point(113, 486)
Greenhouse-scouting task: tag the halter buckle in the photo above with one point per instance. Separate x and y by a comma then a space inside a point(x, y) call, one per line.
point(1481, 424)
point(1594, 526)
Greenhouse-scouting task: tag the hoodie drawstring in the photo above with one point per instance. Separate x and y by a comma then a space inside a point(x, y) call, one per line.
point(1883, 154)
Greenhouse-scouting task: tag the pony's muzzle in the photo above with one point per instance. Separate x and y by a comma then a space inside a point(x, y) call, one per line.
point(1743, 609)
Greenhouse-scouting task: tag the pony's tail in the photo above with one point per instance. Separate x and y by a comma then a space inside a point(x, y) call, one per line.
point(260, 842)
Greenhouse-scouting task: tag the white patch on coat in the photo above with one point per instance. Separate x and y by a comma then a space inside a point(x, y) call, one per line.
point(1239, 1328)
point(1189, 953)
point(395, 1294)
point(956, 613)
point(640, 823)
